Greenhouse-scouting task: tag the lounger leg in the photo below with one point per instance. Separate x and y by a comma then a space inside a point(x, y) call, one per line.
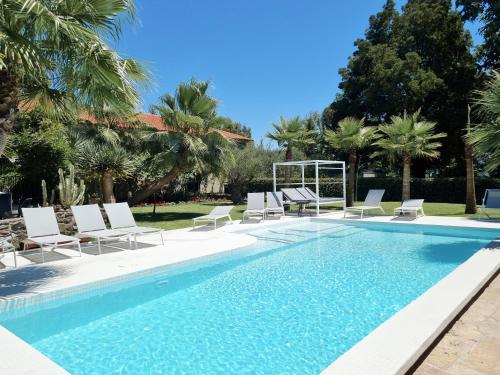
point(41, 251)
point(99, 245)
point(129, 242)
point(161, 236)
point(15, 257)
point(79, 248)
point(215, 223)
point(361, 214)
point(135, 241)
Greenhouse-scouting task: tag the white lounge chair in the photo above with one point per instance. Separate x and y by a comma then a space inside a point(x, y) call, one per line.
point(275, 203)
point(372, 202)
point(120, 217)
point(409, 206)
point(491, 201)
point(255, 206)
point(307, 192)
point(219, 212)
point(6, 245)
point(90, 223)
point(42, 228)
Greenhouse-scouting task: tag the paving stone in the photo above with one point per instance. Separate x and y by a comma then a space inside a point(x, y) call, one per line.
point(485, 357)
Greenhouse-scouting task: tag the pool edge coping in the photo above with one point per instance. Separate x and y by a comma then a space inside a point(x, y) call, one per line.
point(381, 352)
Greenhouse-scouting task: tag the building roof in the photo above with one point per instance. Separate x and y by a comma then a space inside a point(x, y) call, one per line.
point(155, 121)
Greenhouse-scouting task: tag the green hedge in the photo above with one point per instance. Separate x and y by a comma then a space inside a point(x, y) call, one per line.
point(446, 190)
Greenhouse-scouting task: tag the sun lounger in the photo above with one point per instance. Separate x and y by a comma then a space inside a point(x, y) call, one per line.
point(42, 228)
point(491, 201)
point(372, 202)
point(90, 223)
point(255, 206)
point(275, 203)
point(219, 212)
point(6, 245)
point(307, 192)
point(120, 217)
point(410, 206)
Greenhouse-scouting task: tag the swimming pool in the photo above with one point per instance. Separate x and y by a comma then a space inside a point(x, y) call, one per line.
point(291, 303)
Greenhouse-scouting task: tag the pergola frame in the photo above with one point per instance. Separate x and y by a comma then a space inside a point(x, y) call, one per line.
point(318, 165)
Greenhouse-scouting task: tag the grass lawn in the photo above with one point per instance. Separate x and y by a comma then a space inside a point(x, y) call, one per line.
point(181, 215)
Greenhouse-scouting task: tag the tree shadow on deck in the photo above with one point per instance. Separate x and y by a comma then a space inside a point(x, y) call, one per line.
point(26, 279)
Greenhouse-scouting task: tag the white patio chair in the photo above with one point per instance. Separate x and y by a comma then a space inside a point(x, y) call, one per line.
point(255, 206)
point(372, 202)
point(409, 206)
point(120, 217)
point(42, 229)
point(275, 203)
point(90, 223)
point(6, 244)
point(491, 201)
point(219, 212)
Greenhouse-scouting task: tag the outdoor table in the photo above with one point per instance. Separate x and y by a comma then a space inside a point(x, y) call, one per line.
point(302, 204)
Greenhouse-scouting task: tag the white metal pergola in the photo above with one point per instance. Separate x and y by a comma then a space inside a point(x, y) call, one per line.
point(318, 165)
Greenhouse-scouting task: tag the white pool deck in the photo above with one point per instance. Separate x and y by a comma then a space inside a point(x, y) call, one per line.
point(390, 349)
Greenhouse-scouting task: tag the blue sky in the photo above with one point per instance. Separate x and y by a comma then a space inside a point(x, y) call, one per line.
point(265, 58)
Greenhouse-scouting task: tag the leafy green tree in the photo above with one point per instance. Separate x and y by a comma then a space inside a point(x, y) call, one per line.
point(39, 148)
point(225, 123)
point(488, 13)
point(53, 54)
point(351, 135)
point(190, 144)
point(419, 58)
point(250, 162)
point(486, 136)
point(408, 138)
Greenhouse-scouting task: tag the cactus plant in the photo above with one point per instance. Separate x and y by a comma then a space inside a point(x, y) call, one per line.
point(45, 202)
point(70, 193)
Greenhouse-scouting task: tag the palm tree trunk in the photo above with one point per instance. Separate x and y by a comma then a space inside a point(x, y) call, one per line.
point(107, 188)
point(288, 157)
point(176, 170)
point(351, 181)
point(9, 92)
point(470, 192)
point(406, 176)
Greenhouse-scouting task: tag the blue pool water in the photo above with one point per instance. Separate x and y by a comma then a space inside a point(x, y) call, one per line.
point(291, 303)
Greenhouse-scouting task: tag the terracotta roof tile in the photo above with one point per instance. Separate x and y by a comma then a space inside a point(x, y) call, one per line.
point(156, 122)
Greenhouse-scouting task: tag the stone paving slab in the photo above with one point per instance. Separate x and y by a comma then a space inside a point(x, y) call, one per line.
point(472, 345)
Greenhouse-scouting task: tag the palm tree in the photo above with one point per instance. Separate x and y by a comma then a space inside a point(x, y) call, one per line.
point(53, 55)
point(107, 162)
point(486, 136)
point(105, 153)
point(190, 144)
point(408, 138)
point(290, 134)
point(350, 136)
